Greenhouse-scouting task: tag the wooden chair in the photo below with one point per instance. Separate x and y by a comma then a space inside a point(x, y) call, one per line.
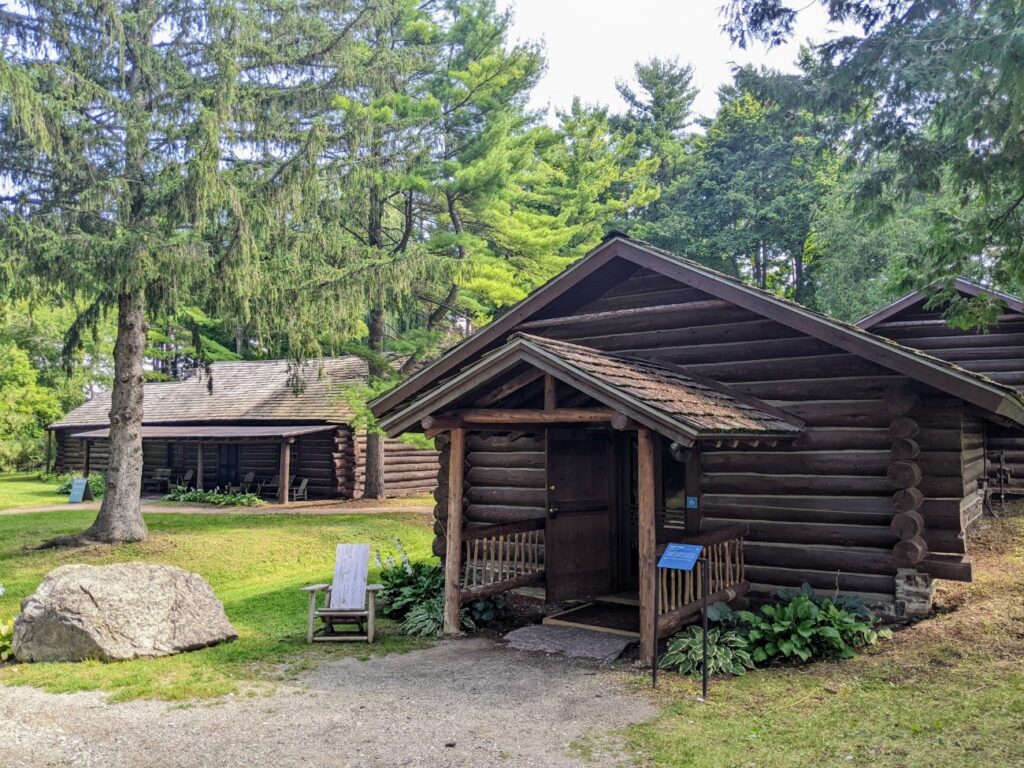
point(300, 491)
point(160, 479)
point(186, 479)
point(246, 484)
point(348, 601)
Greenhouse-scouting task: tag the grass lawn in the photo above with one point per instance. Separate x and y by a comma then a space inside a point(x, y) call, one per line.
point(255, 564)
point(25, 489)
point(946, 692)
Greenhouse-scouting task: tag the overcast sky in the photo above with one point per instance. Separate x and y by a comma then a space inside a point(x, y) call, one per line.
point(591, 43)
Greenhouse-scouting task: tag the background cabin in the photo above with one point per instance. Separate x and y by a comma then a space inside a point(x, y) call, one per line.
point(258, 417)
point(640, 398)
point(997, 352)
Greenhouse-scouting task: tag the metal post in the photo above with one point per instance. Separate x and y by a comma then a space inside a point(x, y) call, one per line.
point(704, 623)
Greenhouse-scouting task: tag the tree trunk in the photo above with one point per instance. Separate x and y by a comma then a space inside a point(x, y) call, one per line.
point(373, 487)
point(120, 517)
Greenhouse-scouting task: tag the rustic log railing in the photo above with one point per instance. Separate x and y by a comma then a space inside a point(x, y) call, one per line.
point(497, 558)
point(679, 592)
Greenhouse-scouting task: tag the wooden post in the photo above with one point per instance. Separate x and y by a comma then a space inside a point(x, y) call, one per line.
point(646, 539)
point(49, 446)
point(199, 466)
point(284, 471)
point(453, 552)
point(550, 392)
point(85, 466)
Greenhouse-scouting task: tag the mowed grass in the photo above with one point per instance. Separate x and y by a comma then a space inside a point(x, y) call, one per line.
point(948, 691)
point(25, 489)
point(256, 565)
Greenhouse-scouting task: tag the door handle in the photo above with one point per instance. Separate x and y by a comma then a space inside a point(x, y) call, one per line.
point(552, 512)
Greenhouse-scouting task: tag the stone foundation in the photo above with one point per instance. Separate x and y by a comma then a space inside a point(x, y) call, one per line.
point(914, 592)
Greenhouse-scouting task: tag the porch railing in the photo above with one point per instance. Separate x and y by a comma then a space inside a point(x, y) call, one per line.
point(497, 558)
point(679, 592)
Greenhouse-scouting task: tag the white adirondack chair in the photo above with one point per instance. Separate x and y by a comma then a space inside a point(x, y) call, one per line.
point(348, 601)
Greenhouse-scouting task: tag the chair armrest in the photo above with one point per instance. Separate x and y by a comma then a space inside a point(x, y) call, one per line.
point(316, 588)
point(374, 587)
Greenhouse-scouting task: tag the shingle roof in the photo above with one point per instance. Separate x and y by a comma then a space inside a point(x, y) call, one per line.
point(705, 406)
point(660, 396)
point(264, 390)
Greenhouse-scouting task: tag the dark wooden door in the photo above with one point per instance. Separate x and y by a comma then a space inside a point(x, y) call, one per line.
point(227, 465)
point(577, 551)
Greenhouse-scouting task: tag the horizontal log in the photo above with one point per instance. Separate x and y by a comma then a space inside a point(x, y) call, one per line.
point(753, 511)
point(845, 387)
point(481, 441)
point(837, 413)
point(675, 294)
point(837, 364)
point(526, 416)
point(810, 462)
point(670, 623)
point(852, 485)
point(828, 438)
point(503, 513)
point(810, 533)
point(624, 341)
point(826, 501)
point(520, 459)
point(507, 476)
point(900, 401)
point(950, 567)
point(637, 317)
point(907, 525)
point(729, 352)
point(499, 587)
point(823, 580)
point(527, 497)
point(906, 499)
point(503, 529)
point(905, 474)
point(821, 557)
point(905, 448)
point(910, 551)
point(904, 426)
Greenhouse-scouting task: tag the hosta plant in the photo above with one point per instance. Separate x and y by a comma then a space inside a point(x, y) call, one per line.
point(803, 628)
point(6, 638)
point(727, 652)
point(426, 618)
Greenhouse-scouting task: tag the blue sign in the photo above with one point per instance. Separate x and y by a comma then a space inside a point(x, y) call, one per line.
point(680, 557)
point(80, 490)
point(691, 502)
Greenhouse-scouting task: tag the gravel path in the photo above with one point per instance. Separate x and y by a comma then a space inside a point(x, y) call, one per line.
point(468, 702)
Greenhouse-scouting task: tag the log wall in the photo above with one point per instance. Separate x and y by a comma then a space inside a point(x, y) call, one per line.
point(997, 353)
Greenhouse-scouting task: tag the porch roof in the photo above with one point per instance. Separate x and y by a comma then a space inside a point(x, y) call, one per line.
point(660, 396)
point(215, 432)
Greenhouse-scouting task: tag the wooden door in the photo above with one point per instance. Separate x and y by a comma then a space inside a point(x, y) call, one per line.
point(227, 465)
point(577, 551)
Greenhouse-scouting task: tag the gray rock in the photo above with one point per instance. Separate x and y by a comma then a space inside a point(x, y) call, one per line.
point(569, 641)
point(115, 612)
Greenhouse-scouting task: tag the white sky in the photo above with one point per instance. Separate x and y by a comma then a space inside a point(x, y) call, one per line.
point(591, 43)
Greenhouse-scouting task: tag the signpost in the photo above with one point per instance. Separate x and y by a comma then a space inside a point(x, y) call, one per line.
point(683, 557)
point(80, 490)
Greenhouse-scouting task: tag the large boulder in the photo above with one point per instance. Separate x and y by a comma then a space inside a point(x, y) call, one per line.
point(114, 612)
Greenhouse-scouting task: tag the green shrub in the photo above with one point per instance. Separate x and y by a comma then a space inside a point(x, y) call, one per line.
point(6, 638)
point(97, 483)
point(216, 496)
point(485, 610)
point(804, 628)
point(727, 652)
point(407, 584)
point(426, 618)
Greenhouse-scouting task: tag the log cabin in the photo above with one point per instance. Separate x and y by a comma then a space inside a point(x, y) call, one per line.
point(273, 418)
point(640, 398)
point(919, 320)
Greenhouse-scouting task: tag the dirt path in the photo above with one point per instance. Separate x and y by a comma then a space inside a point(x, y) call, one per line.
point(295, 508)
point(469, 702)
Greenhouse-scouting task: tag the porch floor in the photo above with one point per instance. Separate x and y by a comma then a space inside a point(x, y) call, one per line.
point(615, 615)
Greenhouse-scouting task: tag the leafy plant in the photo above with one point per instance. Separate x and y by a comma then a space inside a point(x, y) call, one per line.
point(6, 636)
point(216, 496)
point(727, 652)
point(804, 629)
point(426, 618)
point(407, 584)
point(97, 482)
point(720, 613)
point(487, 609)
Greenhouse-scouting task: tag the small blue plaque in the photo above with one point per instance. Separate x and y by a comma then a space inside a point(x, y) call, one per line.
point(680, 557)
point(691, 502)
point(80, 490)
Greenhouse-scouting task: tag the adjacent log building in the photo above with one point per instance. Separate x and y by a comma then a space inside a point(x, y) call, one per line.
point(918, 320)
point(640, 398)
point(272, 418)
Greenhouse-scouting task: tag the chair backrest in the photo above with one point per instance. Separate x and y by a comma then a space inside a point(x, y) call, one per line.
point(348, 592)
point(248, 477)
point(302, 485)
point(187, 476)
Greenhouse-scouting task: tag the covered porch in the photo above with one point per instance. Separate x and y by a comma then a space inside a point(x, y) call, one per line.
point(573, 469)
point(207, 456)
